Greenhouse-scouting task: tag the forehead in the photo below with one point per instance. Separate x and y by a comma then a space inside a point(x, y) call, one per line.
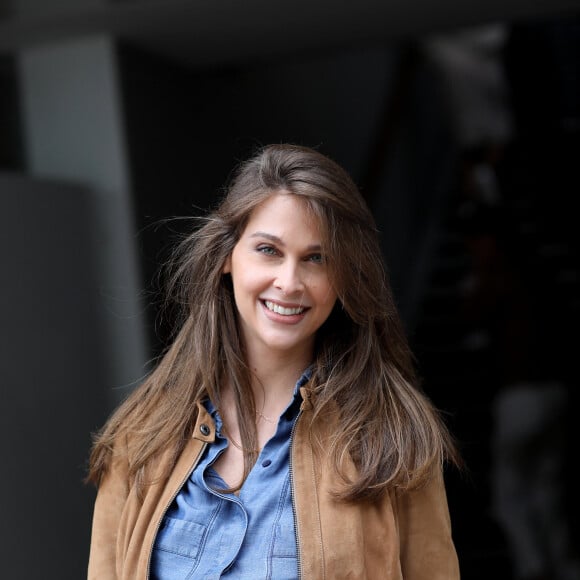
point(286, 212)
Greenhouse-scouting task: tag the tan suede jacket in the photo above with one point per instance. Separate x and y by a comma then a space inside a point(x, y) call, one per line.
point(405, 536)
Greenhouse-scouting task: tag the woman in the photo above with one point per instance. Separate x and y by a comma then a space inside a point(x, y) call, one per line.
point(282, 435)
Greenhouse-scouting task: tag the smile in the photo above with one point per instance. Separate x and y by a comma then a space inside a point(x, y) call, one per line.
point(282, 310)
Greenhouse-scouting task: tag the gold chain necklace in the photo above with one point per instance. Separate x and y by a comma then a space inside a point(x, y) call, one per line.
point(267, 419)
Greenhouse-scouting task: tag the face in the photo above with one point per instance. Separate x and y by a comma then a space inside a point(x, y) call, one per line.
point(280, 279)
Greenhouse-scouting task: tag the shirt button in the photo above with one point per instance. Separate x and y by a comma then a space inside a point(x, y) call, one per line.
point(205, 430)
point(266, 462)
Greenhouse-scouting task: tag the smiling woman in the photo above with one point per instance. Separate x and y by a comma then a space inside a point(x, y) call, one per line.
point(283, 435)
point(281, 286)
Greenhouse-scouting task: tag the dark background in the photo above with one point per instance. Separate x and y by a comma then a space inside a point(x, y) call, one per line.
point(121, 120)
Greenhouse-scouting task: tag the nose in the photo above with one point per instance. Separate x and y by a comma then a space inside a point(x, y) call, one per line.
point(289, 278)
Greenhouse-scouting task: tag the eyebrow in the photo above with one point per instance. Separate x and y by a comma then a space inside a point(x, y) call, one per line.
point(277, 240)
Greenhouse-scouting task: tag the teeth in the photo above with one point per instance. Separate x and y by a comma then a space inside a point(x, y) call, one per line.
point(281, 310)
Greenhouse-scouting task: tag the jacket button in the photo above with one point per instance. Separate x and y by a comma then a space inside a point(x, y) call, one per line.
point(205, 430)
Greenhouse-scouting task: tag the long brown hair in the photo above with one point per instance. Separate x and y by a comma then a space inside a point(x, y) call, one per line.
point(362, 362)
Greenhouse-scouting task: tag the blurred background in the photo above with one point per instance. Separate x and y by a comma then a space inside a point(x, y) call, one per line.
point(460, 123)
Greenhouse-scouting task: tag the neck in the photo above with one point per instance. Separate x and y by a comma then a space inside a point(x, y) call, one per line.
point(275, 378)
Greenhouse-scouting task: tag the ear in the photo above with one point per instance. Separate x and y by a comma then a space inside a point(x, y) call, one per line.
point(227, 269)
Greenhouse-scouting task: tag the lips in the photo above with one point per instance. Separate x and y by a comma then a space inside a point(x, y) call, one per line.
point(283, 310)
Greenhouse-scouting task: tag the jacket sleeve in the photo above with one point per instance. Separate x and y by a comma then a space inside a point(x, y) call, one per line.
point(427, 551)
point(110, 501)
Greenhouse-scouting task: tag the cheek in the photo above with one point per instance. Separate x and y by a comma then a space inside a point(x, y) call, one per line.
point(325, 292)
point(329, 304)
point(325, 299)
point(247, 284)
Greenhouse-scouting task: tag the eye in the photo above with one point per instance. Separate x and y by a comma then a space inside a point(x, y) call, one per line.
point(316, 258)
point(267, 250)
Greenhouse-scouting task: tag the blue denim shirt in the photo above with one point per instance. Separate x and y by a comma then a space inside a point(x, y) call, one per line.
point(209, 534)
